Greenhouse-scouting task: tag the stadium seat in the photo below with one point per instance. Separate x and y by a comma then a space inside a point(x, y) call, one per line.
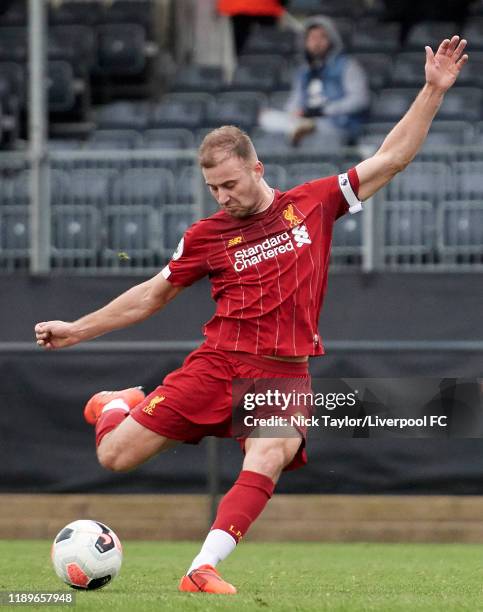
point(303, 172)
point(181, 110)
point(140, 12)
point(270, 142)
point(73, 43)
point(391, 104)
point(460, 227)
point(15, 15)
point(449, 134)
point(340, 8)
point(144, 186)
point(468, 177)
point(409, 227)
point(14, 188)
point(62, 87)
point(123, 115)
point(168, 139)
point(238, 108)
point(132, 230)
point(473, 32)
point(463, 103)
point(13, 44)
point(75, 231)
point(78, 13)
point(478, 136)
point(114, 139)
point(174, 226)
point(271, 41)
point(279, 99)
point(197, 77)
point(430, 33)
point(422, 180)
point(275, 176)
point(120, 49)
point(14, 231)
point(347, 235)
point(378, 68)
point(189, 182)
point(408, 70)
point(371, 35)
point(14, 76)
point(373, 134)
point(65, 144)
point(81, 186)
point(258, 73)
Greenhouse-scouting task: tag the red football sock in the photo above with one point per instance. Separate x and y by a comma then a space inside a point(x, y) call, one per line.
point(108, 421)
point(243, 503)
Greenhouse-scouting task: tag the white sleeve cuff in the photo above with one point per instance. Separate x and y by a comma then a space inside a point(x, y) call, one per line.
point(166, 272)
point(355, 205)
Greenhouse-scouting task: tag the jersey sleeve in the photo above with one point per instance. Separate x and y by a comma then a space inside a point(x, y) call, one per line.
point(338, 193)
point(189, 262)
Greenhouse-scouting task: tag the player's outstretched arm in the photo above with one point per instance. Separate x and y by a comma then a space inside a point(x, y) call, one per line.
point(136, 304)
point(406, 138)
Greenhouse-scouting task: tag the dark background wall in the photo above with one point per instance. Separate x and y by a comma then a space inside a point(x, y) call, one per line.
point(46, 446)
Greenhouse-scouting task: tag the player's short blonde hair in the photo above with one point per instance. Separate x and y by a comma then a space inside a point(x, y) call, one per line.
point(226, 141)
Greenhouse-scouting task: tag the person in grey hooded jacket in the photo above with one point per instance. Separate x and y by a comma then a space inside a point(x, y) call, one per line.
point(330, 94)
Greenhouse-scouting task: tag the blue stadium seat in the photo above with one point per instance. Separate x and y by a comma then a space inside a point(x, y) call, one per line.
point(422, 180)
point(75, 231)
point(449, 134)
point(144, 186)
point(409, 227)
point(181, 110)
point(460, 227)
point(133, 230)
point(168, 139)
point(114, 140)
point(188, 184)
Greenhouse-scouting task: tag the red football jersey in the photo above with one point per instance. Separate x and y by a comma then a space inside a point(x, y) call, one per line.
point(268, 271)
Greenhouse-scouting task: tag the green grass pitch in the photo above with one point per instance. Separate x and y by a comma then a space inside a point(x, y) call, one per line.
point(273, 577)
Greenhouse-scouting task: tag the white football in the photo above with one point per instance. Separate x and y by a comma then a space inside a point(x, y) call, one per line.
point(86, 554)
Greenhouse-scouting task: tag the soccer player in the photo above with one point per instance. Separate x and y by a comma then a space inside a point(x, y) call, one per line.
point(266, 253)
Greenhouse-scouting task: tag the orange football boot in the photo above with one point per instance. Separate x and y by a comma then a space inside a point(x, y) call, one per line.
point(205, 579)
point(93, 408)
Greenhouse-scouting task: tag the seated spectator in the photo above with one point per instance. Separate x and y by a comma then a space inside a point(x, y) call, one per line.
point(330, 94)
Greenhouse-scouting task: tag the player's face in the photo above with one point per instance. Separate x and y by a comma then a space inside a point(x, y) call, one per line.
point(236, 185)
point(317, 42)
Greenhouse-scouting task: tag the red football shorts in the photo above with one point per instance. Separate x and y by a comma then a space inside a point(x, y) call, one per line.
point(195, 400)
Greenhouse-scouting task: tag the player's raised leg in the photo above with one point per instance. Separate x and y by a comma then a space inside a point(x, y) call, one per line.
point(122, 443)
point(264, 461)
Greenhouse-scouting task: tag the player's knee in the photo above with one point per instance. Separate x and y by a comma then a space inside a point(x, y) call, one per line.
point(270, 461)
point(112, 460)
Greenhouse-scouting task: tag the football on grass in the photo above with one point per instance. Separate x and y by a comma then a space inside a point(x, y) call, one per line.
point(86, 554)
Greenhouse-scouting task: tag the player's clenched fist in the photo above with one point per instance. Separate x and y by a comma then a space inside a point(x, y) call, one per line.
point(55, 334)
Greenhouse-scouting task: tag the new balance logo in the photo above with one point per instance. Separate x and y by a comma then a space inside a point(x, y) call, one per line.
point(301, 235)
